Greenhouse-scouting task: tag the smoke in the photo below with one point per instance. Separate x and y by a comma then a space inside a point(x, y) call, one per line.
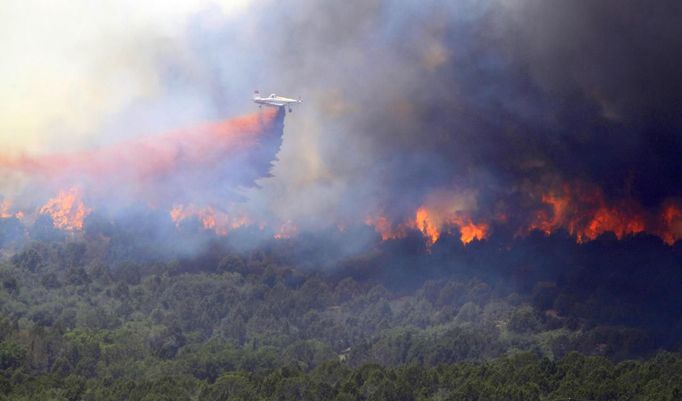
point(500, 104)
point(502, 98)
point(71, 67)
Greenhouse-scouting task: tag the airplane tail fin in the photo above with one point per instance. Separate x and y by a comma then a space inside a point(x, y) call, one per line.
point(256, 93)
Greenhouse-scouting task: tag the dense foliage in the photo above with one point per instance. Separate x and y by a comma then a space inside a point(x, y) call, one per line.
point(257, 324)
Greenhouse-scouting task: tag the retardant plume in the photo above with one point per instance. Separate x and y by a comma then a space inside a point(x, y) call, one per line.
point(202, 164)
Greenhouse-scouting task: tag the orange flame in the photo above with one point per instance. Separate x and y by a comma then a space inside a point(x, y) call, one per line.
point(612, 220)
point(384, 227)
point(67, 210)
point(286, 230)
point(211, 219)
point(471, 231)
point(548, 224)
point(432, 223)
point(584, 212)
point(426, 224)
point(672, 223)
point(5, 207)
point(6, 210)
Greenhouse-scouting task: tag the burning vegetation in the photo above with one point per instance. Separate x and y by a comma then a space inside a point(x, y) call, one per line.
point(583, 211)
point(211, 219)
point(431, 224)
point(67, 210)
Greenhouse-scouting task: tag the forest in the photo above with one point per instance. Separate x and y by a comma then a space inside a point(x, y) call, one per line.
point(112, 314)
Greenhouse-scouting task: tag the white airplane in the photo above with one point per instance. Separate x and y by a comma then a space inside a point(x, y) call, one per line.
point(274, 100)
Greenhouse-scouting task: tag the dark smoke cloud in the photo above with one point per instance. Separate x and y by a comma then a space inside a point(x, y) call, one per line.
point(405, 97)
point(493, 98)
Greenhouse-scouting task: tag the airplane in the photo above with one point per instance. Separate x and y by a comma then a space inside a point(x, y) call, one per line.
point(274, 100)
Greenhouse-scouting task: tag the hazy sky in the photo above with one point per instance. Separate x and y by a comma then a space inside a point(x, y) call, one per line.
point(68, 65)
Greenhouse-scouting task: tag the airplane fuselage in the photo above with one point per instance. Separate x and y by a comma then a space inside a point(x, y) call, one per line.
point(275, 101)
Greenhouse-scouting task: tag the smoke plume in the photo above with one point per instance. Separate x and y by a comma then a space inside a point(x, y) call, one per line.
point(475, 117)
